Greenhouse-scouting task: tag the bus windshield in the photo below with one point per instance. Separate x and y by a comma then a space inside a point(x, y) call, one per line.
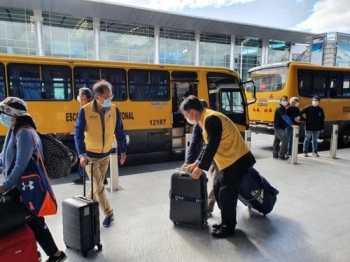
point(269, 79)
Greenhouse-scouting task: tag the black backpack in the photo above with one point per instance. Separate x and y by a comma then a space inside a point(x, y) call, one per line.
point(57, 157)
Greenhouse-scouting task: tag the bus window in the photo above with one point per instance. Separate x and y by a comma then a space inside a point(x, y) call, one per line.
point(56, 82)
point(345, 91)
point(25, 81)
point(312, 84)
point(269, 79)
point(2, 82)
point(85, 76)
point(117, 78)
point(149, 85)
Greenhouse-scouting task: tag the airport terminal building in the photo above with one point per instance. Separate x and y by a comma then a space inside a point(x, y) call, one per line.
point(104, 31)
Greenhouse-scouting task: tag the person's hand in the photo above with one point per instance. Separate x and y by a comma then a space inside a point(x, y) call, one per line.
point(192, 167)
point(83, 161)
point(122, 158)
point(295, 126)
point(197, 172)
point(185, 165)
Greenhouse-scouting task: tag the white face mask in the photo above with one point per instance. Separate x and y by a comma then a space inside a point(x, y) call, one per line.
point(296, 104)
point(315, 103)
point(191, 122)
point(79, 99)
point(284, 103)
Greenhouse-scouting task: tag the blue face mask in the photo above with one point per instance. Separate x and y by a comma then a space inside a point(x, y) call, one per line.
point(6, 120)
point(107, 103)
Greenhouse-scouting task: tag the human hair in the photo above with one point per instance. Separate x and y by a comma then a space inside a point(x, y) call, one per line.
point(293, 99)
point(191, 102)
point(22, 121)
point(100, 87)
point(86, 92)
point(284, 98)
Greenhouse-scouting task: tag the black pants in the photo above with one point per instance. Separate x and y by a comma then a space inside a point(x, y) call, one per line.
point(43, 235)
point(226, 188)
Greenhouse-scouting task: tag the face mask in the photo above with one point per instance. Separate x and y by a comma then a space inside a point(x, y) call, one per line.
point(284, 103)
point(296, 104)
point(79, 99)
point(6, 120)
point(315, 103)
point(107, 103)
point(191, 122)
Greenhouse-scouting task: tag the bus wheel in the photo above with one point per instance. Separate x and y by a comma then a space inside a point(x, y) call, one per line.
point(74, 157)
point(344, 137)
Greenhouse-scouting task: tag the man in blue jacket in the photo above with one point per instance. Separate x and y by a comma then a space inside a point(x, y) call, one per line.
point(97, 124)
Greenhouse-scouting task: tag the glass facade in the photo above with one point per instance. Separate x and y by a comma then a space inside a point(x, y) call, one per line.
point(279, 51)
point(126, 42)
point(214, 50)
point(17, 31)
point(69, 36)
point(176, 46)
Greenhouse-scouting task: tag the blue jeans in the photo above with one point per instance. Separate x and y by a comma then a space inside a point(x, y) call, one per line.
point(308, 135)
point(80, 172)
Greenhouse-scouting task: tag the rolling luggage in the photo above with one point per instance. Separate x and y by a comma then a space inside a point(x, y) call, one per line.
point(81, 221)
point(18, 245)
point(188, 198)
point(257, 193)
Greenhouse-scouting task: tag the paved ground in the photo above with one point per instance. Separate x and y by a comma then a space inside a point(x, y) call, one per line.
point(310, 221)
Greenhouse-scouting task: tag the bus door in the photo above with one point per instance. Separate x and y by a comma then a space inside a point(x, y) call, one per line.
point(181, 90)
point(231, 103)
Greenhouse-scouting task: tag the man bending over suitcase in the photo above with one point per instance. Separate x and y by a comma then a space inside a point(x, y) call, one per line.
point(223, 143)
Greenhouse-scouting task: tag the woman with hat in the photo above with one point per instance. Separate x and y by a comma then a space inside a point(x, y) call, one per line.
point(17, 150)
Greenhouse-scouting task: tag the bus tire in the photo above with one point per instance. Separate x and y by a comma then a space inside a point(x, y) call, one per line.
point(74, 157)
point(344, 137)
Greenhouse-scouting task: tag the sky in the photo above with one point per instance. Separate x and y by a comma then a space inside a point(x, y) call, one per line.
point(314, 16)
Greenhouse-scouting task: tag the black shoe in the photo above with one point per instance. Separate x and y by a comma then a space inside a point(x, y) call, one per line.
point(105, 182)
point(217, 226)
point(60, 258)
point(284, 157)
point(78, 181)
point(223, 232)
point(275, 155)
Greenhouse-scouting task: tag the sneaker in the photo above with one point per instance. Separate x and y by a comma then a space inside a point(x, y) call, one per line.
point(305, 154)
point(78, 181)
point(217, 226)
point(105, 182)
point(315, 154)
point(223, 232)
point(108, 220)
point(59, 258)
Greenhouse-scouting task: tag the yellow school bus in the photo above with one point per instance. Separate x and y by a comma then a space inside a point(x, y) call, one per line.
point(147, 95)
point(303, 80)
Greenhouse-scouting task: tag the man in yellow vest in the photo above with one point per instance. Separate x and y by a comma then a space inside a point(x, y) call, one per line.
point(97, 124)
point(223, 143)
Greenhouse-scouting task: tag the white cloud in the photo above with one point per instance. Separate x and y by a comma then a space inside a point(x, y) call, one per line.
point(327, 16)
point(172, 5)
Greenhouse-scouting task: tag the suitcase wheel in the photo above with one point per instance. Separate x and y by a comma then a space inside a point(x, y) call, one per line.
point(175, 223)
point(99, 247)
point(84, 253)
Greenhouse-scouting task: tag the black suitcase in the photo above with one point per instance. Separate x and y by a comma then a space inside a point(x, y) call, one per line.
point(188, 198)
point(81, 222)
point(257, 193)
